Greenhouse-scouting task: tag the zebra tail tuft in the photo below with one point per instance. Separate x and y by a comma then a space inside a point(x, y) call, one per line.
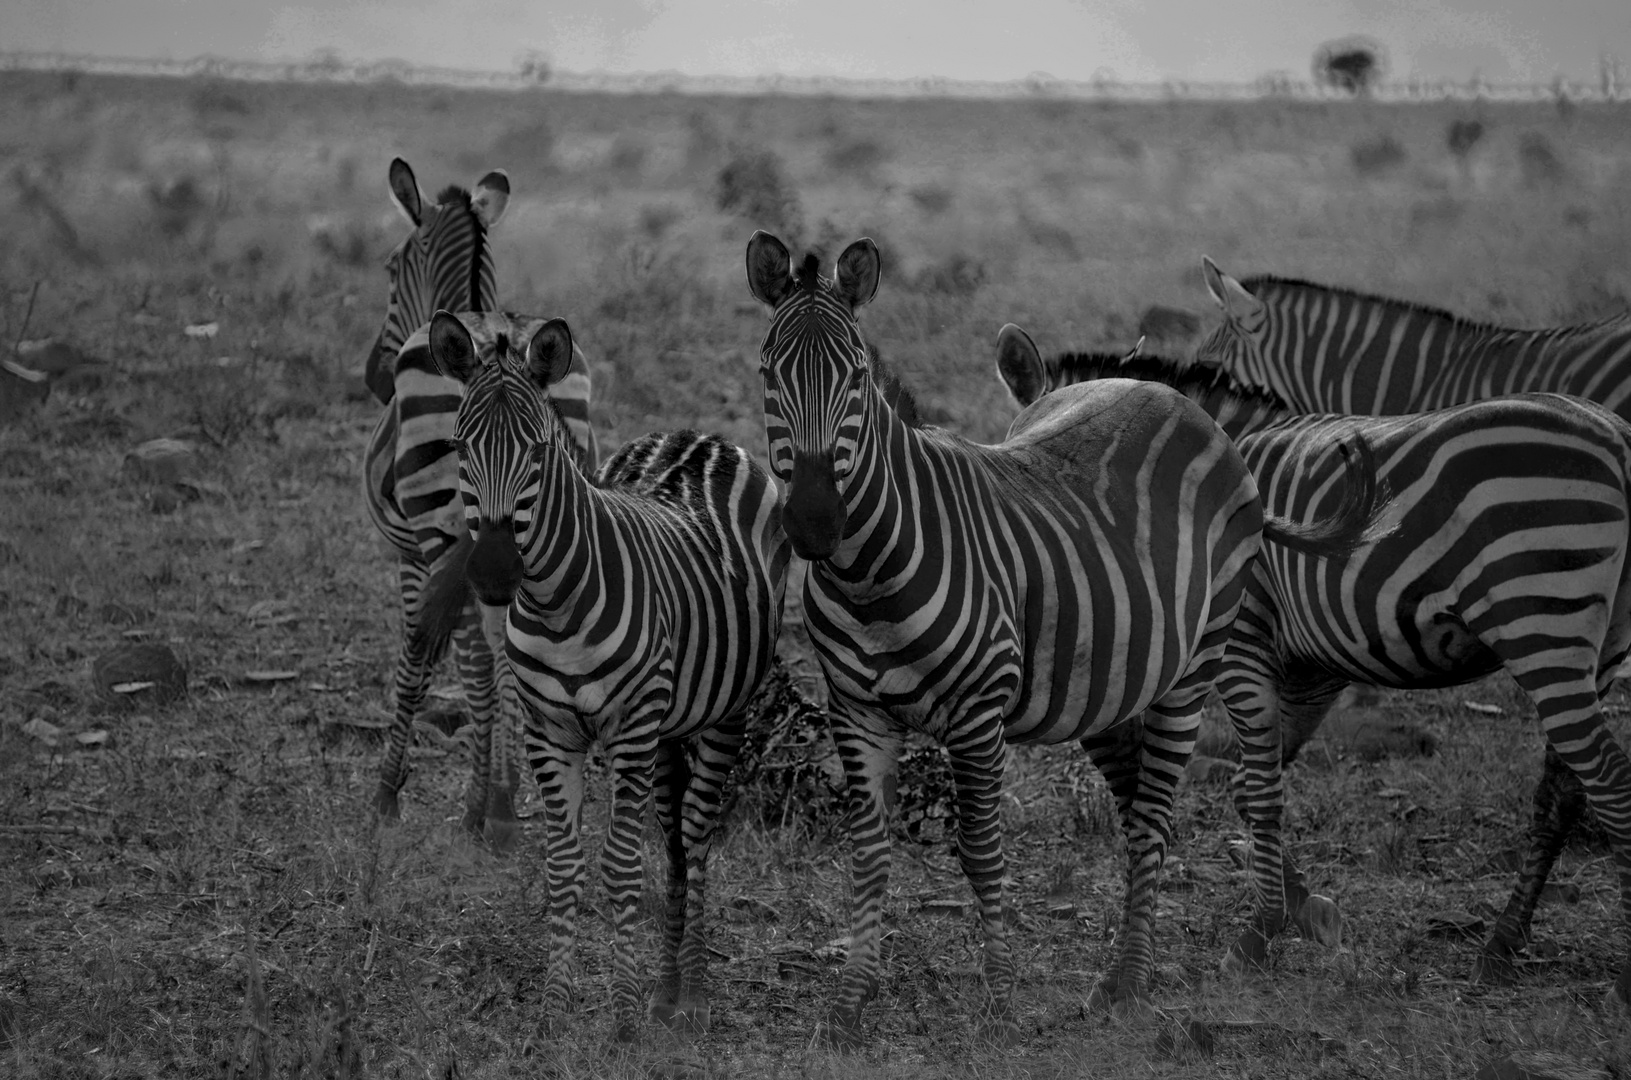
point(446, 594)
point(1357, 521)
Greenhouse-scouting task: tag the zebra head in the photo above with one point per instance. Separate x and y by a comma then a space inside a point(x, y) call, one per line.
point(505, 433)
point(1240, 343)
point(816, 374)
point(444, 263)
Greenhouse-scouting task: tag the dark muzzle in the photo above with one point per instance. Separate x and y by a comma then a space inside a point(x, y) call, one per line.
point(495, 568)
point(814, 513)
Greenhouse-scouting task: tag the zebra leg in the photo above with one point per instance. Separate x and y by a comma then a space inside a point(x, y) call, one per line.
point(413, 666)
point(559, 773)
point(871, 758)
point(710, 758)
point(1560, 802)
point(475, 663)
point(632, 764)
point(1275, 708)
point(1114, 752)
point(1573, 721)
point(978, 761)
point(496, 768)
point(1164, 748)
point(670, 779)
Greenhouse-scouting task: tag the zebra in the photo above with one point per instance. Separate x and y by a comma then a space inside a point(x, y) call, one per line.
point(410, 481)
point(1329, 350)
point(1514, 520)
point(1046, 589)
point(646, 608)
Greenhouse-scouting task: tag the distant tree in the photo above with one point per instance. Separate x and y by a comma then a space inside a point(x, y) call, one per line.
point(1352, 64)
point(534, 66)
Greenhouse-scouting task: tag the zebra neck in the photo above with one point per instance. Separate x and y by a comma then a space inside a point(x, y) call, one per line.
point(563, 575)
point(882, 535)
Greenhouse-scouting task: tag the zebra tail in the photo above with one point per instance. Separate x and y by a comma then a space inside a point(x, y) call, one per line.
point(1356, 522)
point(445, 596)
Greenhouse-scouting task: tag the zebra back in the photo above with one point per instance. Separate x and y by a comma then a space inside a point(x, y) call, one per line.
point(1326, 349)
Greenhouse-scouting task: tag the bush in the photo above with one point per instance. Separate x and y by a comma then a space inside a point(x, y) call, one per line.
point(1538, 161)
point(856, 155)
point(754, 185)
point(1377, 155)
point(1462, 136)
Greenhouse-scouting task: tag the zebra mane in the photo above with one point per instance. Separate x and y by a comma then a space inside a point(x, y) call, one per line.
point(1188, 379)
point(451, 193)
point(1283, 285)
point(894, 392)
point(809, 273)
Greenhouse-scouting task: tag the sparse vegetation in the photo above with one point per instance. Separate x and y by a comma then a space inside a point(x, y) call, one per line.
point(196, 889)
point(1378, 155)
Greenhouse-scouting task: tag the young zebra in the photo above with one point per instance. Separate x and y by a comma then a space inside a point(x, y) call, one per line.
point(410, 482)
point(646, 606)
point(1051, 588)
point(1334, 351)
point(1514, 519)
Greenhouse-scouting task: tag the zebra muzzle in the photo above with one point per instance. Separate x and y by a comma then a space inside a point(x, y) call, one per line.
point(814, 514)
point(495, 568)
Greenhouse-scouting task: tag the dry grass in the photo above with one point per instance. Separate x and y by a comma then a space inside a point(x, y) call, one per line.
point(206, 894)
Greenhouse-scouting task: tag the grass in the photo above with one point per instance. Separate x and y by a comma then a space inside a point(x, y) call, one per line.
point(206, 894)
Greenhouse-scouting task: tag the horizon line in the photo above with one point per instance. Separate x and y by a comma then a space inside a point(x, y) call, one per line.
point(1038, 85)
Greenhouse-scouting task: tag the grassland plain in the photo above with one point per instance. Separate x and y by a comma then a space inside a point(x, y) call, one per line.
point(204, 893)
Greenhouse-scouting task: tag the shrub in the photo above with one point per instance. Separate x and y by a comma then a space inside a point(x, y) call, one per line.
point(957, 275)
point(856, 155)
point(754, 185)
point(1462, 136)
point(1538, 162)
point(1378, 155)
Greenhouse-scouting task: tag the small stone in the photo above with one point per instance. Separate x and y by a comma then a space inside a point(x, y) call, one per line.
point(139, 674)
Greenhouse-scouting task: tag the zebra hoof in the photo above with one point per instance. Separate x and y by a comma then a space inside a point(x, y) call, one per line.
point(1494, 967)
point(1622, 988)
point(841, 1031)
point(693, 1018)
point(503, 837)
point(1249, 953)
point(385, 804)
point(1320, 920)
point(1102, 998)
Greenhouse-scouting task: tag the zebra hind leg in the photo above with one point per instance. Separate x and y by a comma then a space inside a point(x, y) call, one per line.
point(1114, 752)
point(1273, 717)
point(1560, 802)
point(1168, 739)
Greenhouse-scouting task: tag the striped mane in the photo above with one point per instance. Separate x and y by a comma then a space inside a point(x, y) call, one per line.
point(453, 193)
point(1195, 380)
point(1269, 286)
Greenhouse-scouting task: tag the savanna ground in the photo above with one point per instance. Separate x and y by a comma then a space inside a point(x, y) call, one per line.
point(203, 892)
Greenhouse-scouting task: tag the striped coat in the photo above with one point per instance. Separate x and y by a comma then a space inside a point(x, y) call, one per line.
point(1513, 523)
point(1051, 589)
point(644, 609)
point(1331, 350)
point(410, 483)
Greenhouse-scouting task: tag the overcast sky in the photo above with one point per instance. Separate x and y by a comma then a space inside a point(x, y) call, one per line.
point(1134, 40)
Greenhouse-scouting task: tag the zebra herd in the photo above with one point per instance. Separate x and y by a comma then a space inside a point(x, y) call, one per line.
point(1335, 489)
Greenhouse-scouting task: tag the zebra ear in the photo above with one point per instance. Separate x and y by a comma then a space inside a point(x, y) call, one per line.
point(490, 197)
point(1020, 365)
point(1229, 294)
point(549, 354)
point(452, 350)
point(770, 268)
point(859, 269)
point(405, 192)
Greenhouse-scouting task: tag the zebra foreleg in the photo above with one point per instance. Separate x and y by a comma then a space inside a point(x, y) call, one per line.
point(632, 763)
point(978, 762)
point(710, 758)
point(871, 758)
point(559, 773)
point(495, 780)
point(414, 661)
point(669, 781)
point(1560, 802)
